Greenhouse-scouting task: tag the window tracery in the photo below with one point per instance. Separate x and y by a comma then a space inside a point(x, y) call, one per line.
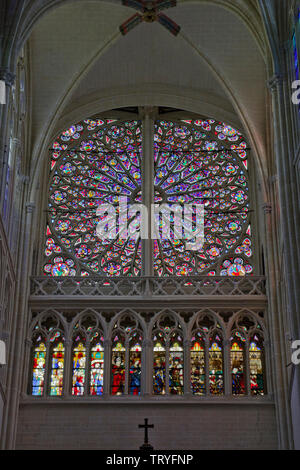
point(97, 162)
point(168, 356)
point(186, 358)
point(126, 363)
point(48, 354)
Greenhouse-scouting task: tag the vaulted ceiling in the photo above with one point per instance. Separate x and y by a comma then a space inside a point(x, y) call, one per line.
point(217, 66)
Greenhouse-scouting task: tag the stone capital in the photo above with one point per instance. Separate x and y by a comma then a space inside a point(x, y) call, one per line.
point(17, 142)
point(7, 76)
point(150, 111)
point(30, 207)
point(274, 82)
point(267, 208)
point(24, 179)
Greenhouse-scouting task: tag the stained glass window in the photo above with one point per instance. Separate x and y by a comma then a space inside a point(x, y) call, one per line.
point(159, 365)
point(204, 162)
point(176, 366)
point(118, 366)
point(135, 365)
point(256, 367)
point(79, 365)
point(57, 364)
point(38, 369)
point(86, 365)
point(198, 365)
point(237, 361)
point(216, 375)
point(97, 365)
point(98, 162)
point(92, 163)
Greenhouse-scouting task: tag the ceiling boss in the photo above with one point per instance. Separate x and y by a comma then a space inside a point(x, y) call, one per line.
point(150, 12)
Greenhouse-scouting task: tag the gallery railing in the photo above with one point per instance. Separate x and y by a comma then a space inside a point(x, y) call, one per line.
point(148, 288)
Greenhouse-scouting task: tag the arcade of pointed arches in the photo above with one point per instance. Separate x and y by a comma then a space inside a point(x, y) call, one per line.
point(129, 355)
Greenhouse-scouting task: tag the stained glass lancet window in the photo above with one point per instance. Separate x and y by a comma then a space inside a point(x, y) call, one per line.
point(159, 364)
point(126, 357)
point(118, 365)
point(256, 365)
point(97, 162)
point(168, 356)
point(135, 364)
point(208, 359)
point(237, 361)
point(198, 376)
point(176, 365)
point(216, 365)
point(57, 364)
point(39, 366)
point(97, 364)
point(79, 365)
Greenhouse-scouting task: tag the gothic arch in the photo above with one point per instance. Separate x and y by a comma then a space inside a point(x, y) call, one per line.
point(85, 316)
point(259, 151)
point(210, 314)
point(165, 315)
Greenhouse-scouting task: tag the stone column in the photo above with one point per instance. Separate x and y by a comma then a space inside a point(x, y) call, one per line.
point(27, 368)
point(148, 114)
point(187, 368)
point(247, 368)
point(289, 203)
point(167, 347)
point(127, 356)
point(107, 368)
point(68, 369)
point(227, 369)
point(282, 296)
point(206, 366)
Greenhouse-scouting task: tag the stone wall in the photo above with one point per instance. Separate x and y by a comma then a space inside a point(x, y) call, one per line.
point(177, 426)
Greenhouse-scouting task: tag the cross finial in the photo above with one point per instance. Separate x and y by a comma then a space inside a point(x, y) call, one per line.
point(146, 426)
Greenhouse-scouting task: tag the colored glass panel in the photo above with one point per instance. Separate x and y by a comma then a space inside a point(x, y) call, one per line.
point(93, 163)
point(57, 366)
point(216, 377)
point(118, 369)
point(198, 368)
point(201, 162)
point(38, 373)
point(176, 369)
point(159, 369)
point(97, 369)
point(237, 368)
point(135, 370)
point(257, 386)
point(79, 364)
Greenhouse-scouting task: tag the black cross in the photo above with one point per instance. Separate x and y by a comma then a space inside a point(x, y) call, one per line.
point(146, 426)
